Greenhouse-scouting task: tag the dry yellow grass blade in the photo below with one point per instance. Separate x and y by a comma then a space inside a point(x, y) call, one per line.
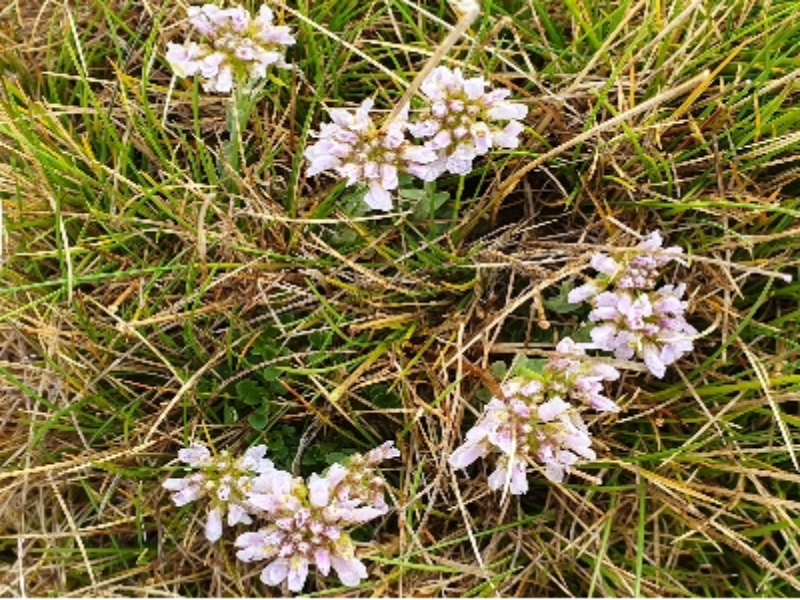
point(703, 85)
point(763, 379)
point(510, 183)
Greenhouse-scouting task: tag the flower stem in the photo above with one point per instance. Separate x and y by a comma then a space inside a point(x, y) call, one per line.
point(237, 117)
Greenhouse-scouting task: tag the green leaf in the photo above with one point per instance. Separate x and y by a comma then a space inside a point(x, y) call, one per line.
point(336, 457)
point(429, 204)
point(559, 304)
point(259, 418)
point(382, 397)
point(499, 368)
point(412, 194)
point(483, 395)
point(320, 340)
point(528, 367)
point(249, 392)
point(271, 373)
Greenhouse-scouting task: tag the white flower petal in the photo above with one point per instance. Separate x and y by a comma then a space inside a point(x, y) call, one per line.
point(377, 198)
point(213, 528)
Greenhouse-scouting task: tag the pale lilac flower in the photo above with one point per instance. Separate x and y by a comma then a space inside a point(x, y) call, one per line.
point(584, 292)
point(274, 492)
point(633, 269)
point(236, 46)
point(552, 409)
point(529, 424)
point(563, 439)
point(557, 463)
point(477, 446)
point(292, 547)
point(213, 528)
point(187, 489)
point(504, 425)
point(574, 375)
point(357, 150)
point(309, 520)
point(462, 122)
point(383, 452)
point(224, 480)
point(650, 325)
point(517, 479)
point(196, 455)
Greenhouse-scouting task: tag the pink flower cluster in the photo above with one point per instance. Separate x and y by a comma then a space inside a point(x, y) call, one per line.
point(650, 325)
point(307, 522)
point(537, 419)
point(225, 480)
point(463, 121)
point(237, 46)
point(634, 319)
point(635, 269)
point(533, 421)
point(572, 374)
point(354, 148)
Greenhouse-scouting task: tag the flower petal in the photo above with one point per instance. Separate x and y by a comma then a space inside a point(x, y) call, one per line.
point(213, 528)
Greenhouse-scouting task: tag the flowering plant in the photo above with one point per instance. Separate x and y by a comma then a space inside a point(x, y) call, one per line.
point(462, 122)
point(354, 148)
point(537, 416)
point(307, 522)
point(236, 46)
point(634, 319)
point(533, 420)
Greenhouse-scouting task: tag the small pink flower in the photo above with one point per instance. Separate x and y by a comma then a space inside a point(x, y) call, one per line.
point(574, 375)
point(383, 452)
point(322, 557)
point(532, 423)
point(552, 409)
point(557, 462)
point(650, 325)
point(461, 121)
point(605, 264)
point(309, 520)
point(275, 572)
point(187, 489)
point(356, 150)
point(350, 570)
point(238, 514)
point(297, 573)
point(223, 480)
point(465, 455)
point(652, 358)
point(583, 293)
point(195, 455)
point(517, 480)
point(235, 45)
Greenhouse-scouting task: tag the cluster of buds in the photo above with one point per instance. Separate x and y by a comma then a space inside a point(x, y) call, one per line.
point(634, 319)
point(236, 46)
point(635, 269)
point(534, 422)
point(307, 522)
point(463, 121)
point(573, 375)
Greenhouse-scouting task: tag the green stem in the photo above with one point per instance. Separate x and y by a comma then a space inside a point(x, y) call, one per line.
point(238, 115)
